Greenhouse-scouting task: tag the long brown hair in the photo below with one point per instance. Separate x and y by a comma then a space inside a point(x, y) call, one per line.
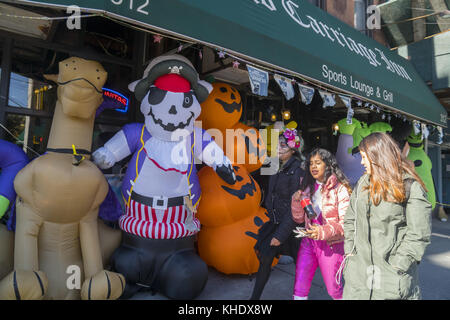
point(387, 166)
point(331, 167)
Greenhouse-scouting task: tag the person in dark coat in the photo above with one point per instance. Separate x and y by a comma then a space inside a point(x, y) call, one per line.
point(276, 236)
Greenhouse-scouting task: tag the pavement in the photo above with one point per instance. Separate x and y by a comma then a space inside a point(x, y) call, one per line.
point(434, 276)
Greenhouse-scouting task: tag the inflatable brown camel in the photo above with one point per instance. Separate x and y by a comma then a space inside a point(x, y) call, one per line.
point(57, 252)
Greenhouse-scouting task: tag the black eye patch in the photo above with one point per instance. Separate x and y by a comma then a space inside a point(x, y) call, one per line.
point(156, 95)
point(187, 99)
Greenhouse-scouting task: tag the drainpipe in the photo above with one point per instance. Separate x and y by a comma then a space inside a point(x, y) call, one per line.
point(360, 15)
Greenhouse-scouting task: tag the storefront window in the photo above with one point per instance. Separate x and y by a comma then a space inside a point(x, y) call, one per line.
point(30, 133)
point(19, 91)
point(32, 94)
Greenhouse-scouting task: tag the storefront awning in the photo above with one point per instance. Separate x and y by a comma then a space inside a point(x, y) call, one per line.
point(291, 36)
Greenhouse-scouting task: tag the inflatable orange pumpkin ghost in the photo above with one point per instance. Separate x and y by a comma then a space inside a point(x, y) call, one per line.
point(222, 109)
point(230, 214)
point(249, 147)
point(229, 248)
point(224, 204)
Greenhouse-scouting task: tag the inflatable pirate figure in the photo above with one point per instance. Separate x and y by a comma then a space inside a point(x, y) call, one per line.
point(161, 187)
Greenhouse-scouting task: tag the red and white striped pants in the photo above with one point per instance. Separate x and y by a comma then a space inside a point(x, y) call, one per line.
point(148, 222)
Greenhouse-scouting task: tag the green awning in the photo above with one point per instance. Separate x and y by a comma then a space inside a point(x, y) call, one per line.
point(291, 36)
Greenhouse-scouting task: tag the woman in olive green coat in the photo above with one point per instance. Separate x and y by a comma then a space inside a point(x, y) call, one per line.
point(387, 225)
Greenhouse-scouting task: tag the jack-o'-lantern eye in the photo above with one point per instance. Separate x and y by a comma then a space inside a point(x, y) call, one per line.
point(223, 89)
point(188, 100)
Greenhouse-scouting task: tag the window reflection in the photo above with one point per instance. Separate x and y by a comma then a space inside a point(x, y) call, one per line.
point(29, 93)
point(30, 133)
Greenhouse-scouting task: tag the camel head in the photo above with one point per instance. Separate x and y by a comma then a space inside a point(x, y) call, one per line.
point(80, 85)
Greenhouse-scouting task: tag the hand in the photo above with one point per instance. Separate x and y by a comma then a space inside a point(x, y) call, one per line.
point(297, 196)
point(275, 242)
point(313, 232)
point(226, 172)
point(299, 232)
point(103, 158)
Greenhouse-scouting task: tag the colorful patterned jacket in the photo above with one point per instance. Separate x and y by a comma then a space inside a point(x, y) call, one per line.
point(335, 201)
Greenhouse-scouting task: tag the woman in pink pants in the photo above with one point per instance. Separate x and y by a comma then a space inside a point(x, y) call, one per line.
point(329, 192)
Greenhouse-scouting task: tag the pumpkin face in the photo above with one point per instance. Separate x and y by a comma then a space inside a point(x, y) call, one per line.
point(248, 145)
point(229, 249)
point(224, 204)
point(222, 109)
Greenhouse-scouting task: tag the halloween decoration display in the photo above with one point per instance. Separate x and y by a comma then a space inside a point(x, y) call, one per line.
point(6, 251)
point(249, 147)
point(359, 133)
point(422, 164)
point(380, 127)
point(347, 154)
point(160, 186)
point(59, 194)
point(227, 212)
point(12, 160)
point(229, 203)
point(349, 162)
point(222, 109)
point(229, 248)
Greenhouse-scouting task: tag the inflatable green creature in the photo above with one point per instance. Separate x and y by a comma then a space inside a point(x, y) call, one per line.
point(349, 163)
point(380, 127)
point(360, 133)
point(422, 163)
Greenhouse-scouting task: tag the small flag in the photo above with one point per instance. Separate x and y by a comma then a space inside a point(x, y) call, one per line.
point(416, 127)
point(441, 135)
point(306, 93)
point(346, 100)
point(328, 99)
point(259, 80)
point(285, 86)
point(350, 114)
point(425, 131)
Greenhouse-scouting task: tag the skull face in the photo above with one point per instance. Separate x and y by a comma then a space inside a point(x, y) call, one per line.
point(169, 115)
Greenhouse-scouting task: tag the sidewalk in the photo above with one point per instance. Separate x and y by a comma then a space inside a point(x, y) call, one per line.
point(434, 273)
point(239, 287)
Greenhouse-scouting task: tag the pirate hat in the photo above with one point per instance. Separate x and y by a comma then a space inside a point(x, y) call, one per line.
point(179, 70)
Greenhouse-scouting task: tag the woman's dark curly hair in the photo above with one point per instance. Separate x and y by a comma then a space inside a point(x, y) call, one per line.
point(331, 167)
